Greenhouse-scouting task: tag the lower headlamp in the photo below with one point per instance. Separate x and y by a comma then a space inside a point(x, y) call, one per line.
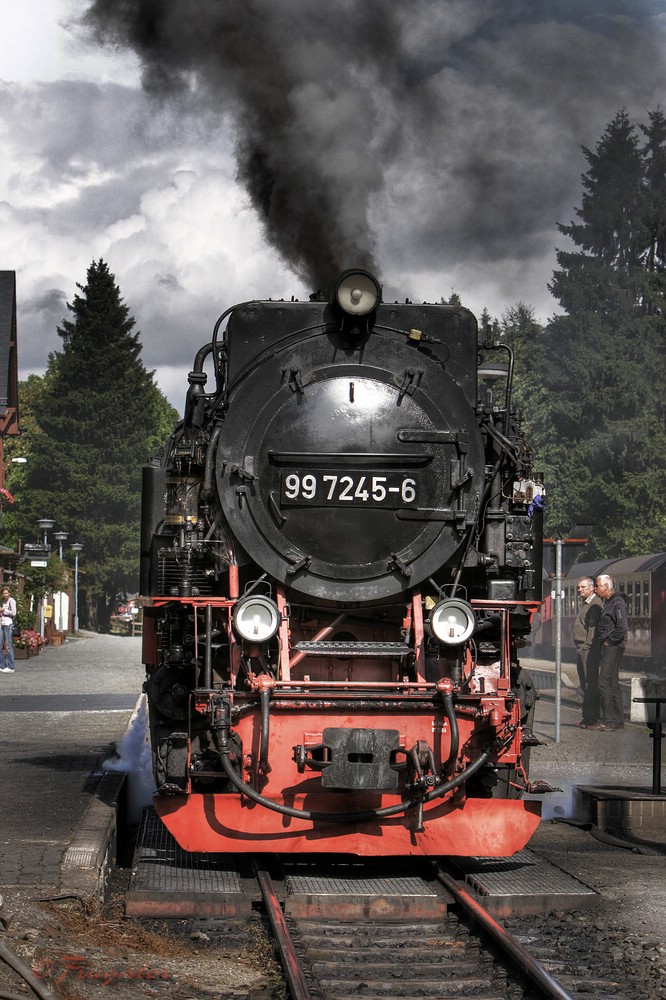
point(452, 621)
point(256, 618)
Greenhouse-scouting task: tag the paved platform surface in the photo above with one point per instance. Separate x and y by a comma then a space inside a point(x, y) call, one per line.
point(633, 884)
point(60, 714)
point(63, 710)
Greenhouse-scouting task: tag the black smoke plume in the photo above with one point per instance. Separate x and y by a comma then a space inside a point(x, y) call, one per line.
point(307, 87)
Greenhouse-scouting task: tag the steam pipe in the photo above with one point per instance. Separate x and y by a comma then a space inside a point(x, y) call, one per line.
point(196, 395)
point(210, 463)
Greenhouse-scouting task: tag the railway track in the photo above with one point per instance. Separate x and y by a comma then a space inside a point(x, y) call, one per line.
point(359, 928)
point(462, 953)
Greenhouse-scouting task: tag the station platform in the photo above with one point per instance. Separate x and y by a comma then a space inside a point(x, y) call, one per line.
point(543, 672)
point(63, 713)
point(65, 710)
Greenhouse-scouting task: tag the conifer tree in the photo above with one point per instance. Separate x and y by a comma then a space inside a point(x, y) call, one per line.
point(603, 360)
point(99, 417)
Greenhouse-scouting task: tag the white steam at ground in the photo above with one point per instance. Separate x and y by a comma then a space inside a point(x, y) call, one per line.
point(133, 756)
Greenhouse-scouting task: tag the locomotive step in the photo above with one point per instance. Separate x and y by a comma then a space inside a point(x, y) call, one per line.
point(323, 648)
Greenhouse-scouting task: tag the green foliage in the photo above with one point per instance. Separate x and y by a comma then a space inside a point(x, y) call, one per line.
point(93, 419)
point(592, 380)
point(25, 618)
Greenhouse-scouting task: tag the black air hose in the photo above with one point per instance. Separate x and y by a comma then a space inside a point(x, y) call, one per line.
point(358, 817)
point(264, 702)
point(455, 732)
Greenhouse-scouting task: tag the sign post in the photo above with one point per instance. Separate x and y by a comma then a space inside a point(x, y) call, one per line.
point(561, 564)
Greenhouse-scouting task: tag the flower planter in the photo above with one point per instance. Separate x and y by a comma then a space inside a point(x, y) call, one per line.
point(28, 642)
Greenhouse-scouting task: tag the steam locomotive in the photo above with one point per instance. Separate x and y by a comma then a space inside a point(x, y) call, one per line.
point(340, 557)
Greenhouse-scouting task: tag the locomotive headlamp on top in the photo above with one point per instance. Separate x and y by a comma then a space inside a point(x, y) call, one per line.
point(256, 618)
point(357, 293)
point(452, 621)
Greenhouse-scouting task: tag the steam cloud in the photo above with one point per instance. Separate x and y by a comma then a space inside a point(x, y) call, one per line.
point(441, 136)
point(308, 87)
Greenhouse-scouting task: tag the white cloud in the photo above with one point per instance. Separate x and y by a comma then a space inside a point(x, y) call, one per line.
point(478, 125)
point(41, 42)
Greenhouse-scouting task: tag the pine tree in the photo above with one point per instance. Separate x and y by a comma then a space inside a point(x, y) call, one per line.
point(603, 359)
point(100, 416)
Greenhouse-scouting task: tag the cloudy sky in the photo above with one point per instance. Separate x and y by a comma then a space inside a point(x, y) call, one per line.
point(215, 151)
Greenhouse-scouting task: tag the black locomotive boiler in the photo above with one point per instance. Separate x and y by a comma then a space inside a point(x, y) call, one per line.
point(340, 558)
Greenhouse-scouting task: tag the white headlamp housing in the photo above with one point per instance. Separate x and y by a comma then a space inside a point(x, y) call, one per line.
point(356, 292)
point(256, 618)
point(452, 621)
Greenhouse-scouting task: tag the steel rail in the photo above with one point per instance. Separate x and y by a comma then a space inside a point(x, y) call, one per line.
point(298, 987)
point(536, 972)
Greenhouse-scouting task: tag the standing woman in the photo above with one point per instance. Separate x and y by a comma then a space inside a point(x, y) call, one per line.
point(7, 616)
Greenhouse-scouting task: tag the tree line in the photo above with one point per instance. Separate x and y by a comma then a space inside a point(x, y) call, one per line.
point(589, 382)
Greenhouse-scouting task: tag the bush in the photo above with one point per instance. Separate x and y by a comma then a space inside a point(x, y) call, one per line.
point(25, 618)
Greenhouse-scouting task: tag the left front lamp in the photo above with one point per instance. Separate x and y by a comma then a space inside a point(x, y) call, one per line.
point(256, 618)
point(452, 621)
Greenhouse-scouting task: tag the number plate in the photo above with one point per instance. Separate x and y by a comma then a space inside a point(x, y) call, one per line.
point(328, 488)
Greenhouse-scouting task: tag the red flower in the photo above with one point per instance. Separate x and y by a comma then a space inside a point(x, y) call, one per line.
point(28, 639)
point(5, 494)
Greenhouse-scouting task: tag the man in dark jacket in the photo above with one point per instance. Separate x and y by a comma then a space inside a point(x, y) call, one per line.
point(610, 637)
point(585, 623)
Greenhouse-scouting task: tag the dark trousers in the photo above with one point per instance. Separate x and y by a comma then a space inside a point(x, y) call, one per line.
point(610, 696)
point(588, 674)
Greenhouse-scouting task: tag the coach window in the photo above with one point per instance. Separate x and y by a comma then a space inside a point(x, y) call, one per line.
point(630, 597)
point(646, 598)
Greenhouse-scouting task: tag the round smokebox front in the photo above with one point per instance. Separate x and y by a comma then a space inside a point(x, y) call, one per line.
point(342, 490)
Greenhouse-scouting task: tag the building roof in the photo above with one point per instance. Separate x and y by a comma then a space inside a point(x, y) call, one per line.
point(618, 567)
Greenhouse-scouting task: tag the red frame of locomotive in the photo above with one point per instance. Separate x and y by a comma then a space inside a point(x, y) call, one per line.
point(300, 709)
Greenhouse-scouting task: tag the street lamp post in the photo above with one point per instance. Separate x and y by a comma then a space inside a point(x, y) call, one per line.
point(76, 548)
point(44, 524)
point(60, 537)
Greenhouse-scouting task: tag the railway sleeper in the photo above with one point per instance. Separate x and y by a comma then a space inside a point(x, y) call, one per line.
point(425, 966)
point(484, 995)
point(385, 934)
point(430, 954)
point(470, 986)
